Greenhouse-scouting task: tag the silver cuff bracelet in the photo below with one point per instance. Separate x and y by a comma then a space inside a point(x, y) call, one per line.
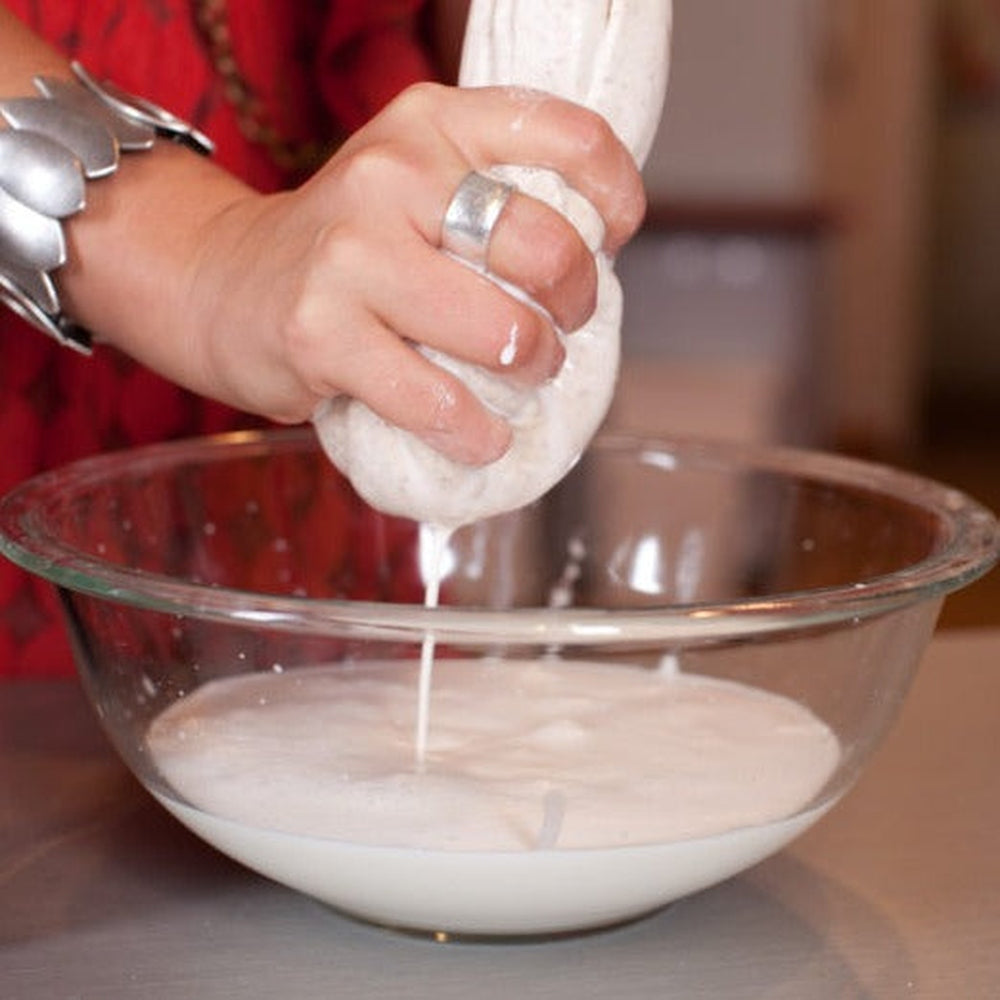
point(73, 133)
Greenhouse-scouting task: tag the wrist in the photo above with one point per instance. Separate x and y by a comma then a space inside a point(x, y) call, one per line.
point(134, 252)
point(56, 143)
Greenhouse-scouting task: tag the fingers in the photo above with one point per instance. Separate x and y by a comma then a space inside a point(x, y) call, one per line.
point(423, 297)
point(456, 310)
point(364, 236)
point(409, 391)
point(536, 250)
point(493, 125)
point(533, 247)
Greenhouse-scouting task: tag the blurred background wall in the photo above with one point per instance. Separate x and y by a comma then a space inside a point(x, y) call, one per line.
point(965, 276)
point(819, 264)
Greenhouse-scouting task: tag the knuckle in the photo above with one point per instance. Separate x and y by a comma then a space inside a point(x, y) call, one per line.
point(563, 276)
point(387, 172)
point(299, 335)
point(337, 249)
point(561, 257)
point(368, 170)
point(420, 99)
point(592, 133)
point(301, 332)
point(386, 165)
point(306, 341)
point(634, 205)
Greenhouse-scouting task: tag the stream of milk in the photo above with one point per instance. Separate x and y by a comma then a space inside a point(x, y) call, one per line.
point(433, 542)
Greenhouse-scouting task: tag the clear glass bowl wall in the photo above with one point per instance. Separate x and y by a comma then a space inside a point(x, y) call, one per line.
point(807, 575)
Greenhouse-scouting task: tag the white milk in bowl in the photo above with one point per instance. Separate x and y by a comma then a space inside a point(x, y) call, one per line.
point(552, 796)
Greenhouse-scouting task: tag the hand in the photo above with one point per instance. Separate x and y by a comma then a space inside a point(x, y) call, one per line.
point(298, 296)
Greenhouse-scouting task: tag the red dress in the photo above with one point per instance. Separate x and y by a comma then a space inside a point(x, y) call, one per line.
point(317, 68)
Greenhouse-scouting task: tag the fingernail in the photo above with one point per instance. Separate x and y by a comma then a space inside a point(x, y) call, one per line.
point(496, 442)
point(557, 360)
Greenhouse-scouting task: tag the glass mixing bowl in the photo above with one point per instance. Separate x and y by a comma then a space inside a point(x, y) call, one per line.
point(808, 582)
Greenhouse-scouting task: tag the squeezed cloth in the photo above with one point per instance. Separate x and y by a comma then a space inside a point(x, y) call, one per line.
point(611, 57)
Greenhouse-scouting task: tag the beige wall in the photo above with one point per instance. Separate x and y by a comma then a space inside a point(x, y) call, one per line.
point(875, 142)
point(806, 104)
point(963, 278)
point(738, 120)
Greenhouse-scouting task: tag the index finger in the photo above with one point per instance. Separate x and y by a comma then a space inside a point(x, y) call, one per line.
point(512, 125)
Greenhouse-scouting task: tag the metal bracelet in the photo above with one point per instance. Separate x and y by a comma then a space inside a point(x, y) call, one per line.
point(74, 132)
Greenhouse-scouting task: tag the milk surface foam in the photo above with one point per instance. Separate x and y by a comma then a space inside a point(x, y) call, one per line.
point(519, 756)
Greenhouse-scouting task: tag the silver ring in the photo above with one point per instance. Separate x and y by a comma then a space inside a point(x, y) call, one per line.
point(471, 216)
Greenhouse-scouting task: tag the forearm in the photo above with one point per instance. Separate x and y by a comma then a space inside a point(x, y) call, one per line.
point(133, 254)
point(130, 249)
point(23, 55)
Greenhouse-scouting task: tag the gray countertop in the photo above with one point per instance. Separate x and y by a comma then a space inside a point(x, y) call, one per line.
point(895, 894)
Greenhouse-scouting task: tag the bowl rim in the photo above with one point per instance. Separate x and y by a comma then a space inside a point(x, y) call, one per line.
point(971, 547)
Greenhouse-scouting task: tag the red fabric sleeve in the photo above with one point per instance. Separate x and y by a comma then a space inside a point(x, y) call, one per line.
point(317, 67)
point(369, 53)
